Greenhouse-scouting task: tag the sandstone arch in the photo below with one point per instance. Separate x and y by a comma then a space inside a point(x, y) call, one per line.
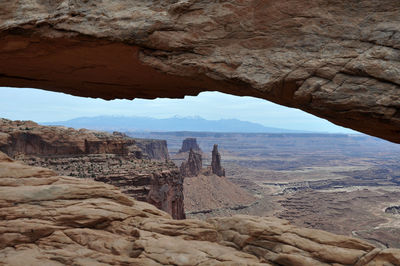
point(338, 60)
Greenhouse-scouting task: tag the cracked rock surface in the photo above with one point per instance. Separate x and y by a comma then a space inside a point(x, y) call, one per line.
point(338, 60)
point(47, 219)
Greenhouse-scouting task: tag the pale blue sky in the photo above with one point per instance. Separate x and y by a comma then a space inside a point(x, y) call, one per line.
point(44, 106)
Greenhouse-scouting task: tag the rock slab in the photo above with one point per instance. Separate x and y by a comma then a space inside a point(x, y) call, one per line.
point(46, 219)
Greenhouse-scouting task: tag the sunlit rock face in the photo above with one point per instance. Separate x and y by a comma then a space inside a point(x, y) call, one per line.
point(46, 219)
point(338, 60)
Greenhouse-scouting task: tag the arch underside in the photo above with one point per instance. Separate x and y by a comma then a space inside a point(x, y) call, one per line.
point(339, 60)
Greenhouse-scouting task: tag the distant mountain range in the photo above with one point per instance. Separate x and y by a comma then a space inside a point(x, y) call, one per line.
point(120, 123)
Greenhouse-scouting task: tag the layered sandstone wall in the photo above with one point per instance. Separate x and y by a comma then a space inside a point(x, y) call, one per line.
point(114, 159)
point(29, 138)
point(155, 149)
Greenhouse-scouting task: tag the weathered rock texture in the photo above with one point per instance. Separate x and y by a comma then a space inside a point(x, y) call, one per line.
point(47, 219)
point(335, 59)
point(190, 144)
point(216, 162)
point(114, 159)
point(154, 148)
point(193, 165)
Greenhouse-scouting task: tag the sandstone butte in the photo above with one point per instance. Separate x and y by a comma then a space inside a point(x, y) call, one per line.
point(47, 219)
point(190, 144)
point(338, 60)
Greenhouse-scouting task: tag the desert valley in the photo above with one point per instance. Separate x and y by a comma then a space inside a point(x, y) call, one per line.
point(344, 184)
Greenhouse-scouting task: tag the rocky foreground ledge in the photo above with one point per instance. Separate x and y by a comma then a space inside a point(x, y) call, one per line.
point(47, 219)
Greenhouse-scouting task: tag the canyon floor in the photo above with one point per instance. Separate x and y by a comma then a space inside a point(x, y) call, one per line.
point(339, 183)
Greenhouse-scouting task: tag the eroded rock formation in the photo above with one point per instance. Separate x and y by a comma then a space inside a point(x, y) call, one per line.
point(114, 159)
point(193, 165)
point(216, 162)
point(208, 192)
point(154, 148)
point(190, 144)
point(29, 138)
point(335, 59)
point(73, 221)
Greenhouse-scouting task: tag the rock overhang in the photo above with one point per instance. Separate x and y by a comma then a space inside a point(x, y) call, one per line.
point(338, 60)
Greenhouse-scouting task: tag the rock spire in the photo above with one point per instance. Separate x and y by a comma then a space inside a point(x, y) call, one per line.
point(192, 167)
point(216, 162)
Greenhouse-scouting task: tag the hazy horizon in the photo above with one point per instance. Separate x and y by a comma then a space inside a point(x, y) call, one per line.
point(173, 124)
point(45, 106)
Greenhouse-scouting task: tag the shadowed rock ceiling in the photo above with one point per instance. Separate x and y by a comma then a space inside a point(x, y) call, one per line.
point(339, 60)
